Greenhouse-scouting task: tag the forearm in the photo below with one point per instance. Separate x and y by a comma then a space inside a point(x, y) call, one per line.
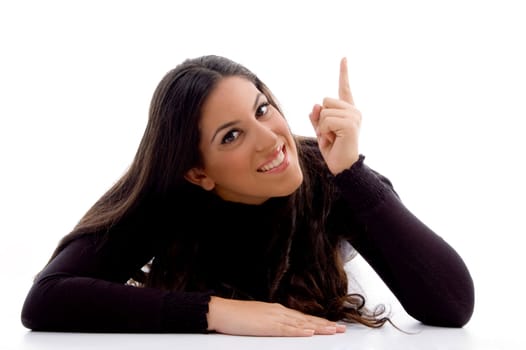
point(83, 289)
point(424, 272)
point(81, 304)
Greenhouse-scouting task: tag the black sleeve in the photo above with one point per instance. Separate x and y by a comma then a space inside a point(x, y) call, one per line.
point(83, 289)
point(424, 272)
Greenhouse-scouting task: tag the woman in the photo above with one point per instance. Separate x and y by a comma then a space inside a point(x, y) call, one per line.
point(227, 222)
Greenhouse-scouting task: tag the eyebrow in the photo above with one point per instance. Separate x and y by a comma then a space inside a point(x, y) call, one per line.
point(232, 123)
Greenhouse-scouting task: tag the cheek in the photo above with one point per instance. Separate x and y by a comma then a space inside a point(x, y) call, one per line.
point(228, 164)
point(282, 125)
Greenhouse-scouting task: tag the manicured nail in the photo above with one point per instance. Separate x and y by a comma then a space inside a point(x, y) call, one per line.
point(308, 332)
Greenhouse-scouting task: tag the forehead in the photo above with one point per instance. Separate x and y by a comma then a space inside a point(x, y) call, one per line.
point(231, 96)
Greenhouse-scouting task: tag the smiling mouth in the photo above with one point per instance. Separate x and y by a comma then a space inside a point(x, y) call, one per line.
point(276, 162)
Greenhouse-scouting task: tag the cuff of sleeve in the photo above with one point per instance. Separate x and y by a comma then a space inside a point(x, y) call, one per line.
point(185, 312)
point(360, 186)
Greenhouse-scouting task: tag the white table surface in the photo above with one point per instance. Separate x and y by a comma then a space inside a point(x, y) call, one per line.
point(490, 328)
point(356, 337)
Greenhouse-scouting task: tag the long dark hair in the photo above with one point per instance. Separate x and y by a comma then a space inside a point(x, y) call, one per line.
point(320, 286)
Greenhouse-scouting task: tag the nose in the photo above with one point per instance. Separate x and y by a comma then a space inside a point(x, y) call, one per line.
point(265, 137)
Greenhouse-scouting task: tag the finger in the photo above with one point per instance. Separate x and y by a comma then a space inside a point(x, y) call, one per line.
point(340, 328)
point(285, 330)
point(332, 126)
point(327, 116)
point(329, 102)
point(314, 116)
point(321, 325)
point(329, 327)
point(351, 115)
point(327, 330)
point(345, 89)
point(318, 325)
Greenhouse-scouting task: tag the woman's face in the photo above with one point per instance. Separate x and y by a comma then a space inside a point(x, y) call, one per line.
point(248, 152)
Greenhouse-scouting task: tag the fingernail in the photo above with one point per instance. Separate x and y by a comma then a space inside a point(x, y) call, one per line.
point(341, 328)
point(331, 329)
point(308, 331)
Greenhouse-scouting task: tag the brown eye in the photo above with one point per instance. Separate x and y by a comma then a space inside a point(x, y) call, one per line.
point(230, 136)
point(262, 109)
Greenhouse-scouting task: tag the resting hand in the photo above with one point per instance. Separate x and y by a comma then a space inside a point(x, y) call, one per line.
point(257, 318)
point(337, 125)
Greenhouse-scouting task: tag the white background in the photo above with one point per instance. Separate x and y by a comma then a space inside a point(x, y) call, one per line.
point(441, 86)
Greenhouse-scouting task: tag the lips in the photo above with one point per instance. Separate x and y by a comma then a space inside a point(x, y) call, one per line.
point(277, 160)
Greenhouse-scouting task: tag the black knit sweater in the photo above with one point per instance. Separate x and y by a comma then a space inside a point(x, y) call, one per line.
point(84, 288)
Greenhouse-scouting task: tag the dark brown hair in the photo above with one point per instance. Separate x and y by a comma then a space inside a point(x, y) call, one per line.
point(169, 148)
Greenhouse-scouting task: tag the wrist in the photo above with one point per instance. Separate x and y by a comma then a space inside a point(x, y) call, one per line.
point(214, 312)
point(210, 314)
point(347, 165)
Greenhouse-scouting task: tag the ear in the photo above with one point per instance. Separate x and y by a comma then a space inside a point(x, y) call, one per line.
point(198, 177)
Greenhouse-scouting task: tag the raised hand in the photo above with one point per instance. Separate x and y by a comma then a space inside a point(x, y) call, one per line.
point(255, 318)
point(337, 124)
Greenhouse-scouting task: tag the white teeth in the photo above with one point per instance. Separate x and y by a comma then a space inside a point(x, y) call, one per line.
point(275, 163)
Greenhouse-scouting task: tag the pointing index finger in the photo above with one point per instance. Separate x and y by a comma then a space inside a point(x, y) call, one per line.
point(344, 90)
